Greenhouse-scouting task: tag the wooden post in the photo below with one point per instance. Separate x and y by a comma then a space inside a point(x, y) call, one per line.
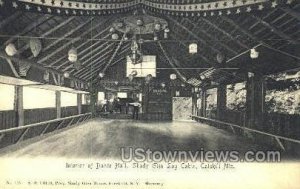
point(19, 105)
point(94, 100)
point(58, 103)
point(255, 101)
point(221, 101)
point(79, 103)
point(203, 102)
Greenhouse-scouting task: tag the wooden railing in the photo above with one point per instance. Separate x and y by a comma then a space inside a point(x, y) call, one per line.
point(16, 134)
point(235, 127)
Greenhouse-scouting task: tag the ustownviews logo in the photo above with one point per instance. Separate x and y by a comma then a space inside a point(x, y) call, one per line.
point(130, 154)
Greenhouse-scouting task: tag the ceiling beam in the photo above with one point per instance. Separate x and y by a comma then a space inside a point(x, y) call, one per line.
point(292, 12)
point(81, 52)
point(48, 32)
point(10, 18)
point(36, 65)
point(186, 46)
point(265, 16)
point(169, 60)
point(275, 30)
point(87, 68)
point(28, 28)
point(91, 62)
point(114, 54)
point(225, 33)
point(192, 34)
point(212, 37)
point(98, 67)
point(89, 54)
point(124, 51)
point(47, 55)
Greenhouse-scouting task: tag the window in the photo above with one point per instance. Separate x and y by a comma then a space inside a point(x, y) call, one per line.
point(101, 97)
point(147, 66)
point(212, 99)
point(122, 95)
point(68, 99)
point(7, 93)
point(236, 96)
point(38, 98)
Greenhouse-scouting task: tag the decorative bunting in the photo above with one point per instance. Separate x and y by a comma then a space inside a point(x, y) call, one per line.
point(178, 8)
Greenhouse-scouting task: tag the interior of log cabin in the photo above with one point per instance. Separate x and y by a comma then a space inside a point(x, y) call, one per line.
point(83, 78)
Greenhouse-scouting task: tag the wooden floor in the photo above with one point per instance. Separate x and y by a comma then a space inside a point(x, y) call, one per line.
point(102, 138)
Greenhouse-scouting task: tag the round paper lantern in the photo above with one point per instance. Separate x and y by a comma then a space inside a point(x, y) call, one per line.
point(116, 82)
point(72, 55)
point(115, 36)
point(120, 24)
point(101, 75)
point(254, 54)
point(35, 46)
point(66, 75)
point(10, 49)
point(220, 58)
point(125, 38)
point(112, 30)
point(163, 85)
point(173, 76)
point(167, 30)
point(193, 48)
point(157, 27)
point(139, 22)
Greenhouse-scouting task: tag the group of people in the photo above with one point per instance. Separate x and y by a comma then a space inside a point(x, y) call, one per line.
point(116, 106)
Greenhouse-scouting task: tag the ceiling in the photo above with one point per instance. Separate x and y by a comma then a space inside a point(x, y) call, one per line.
point(232, 31)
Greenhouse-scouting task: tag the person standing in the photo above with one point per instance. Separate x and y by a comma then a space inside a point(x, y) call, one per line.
point(136, 108)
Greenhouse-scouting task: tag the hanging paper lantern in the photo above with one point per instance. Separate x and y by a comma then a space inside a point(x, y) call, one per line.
point(220, 58)
point(166, 31)
point(112, 30)
point(116, 82)
point(157, 27)
point(120, 24)
point(202, 77)
point(35, 46)
point(254, 54)
point(101, 74)
point(115, 36)
point(46, 76)
point(250, 74)
point(173, 76)
point(72, 55)
point(139, 22)
point(193, 48)
point(163, 85)
point(125, 37)
point(66, 75)
point(10, 49)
